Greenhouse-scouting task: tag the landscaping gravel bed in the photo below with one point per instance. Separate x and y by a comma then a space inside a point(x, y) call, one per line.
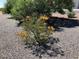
point(11, 46)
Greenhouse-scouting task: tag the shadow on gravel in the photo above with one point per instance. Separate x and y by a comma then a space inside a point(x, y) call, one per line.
point(57, 22)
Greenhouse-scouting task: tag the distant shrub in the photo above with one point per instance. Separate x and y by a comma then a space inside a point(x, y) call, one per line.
point(71, 14)
point(9, 5)
point(2, 9)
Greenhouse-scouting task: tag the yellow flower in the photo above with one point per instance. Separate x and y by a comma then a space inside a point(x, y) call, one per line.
point(43, 18)
point(23, 34)
point(50, 28)
point(28, 17)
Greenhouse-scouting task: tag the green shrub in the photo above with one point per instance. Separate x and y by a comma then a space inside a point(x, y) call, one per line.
point(22, 8)
point(9, 5)
point(2, 9)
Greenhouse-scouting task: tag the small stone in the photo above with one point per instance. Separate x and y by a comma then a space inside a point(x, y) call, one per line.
point(51, 53)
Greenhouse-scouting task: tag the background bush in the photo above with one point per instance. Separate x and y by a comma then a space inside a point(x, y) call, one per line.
point(22, 8)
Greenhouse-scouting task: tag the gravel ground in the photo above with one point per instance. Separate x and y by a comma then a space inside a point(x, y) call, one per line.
point(11, 47)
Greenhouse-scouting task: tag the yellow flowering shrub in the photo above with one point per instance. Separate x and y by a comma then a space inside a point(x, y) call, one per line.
point(37, 35)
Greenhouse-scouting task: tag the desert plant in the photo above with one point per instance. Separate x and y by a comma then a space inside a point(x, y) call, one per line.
point(38, 38)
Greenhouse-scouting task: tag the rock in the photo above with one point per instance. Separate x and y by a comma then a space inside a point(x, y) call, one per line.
point(51, 53)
